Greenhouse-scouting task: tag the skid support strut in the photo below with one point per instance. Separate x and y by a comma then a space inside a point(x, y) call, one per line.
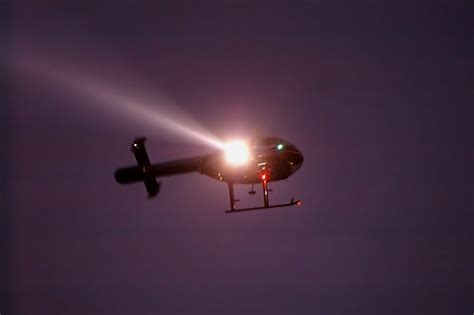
point(232, 197)
point(266, 201)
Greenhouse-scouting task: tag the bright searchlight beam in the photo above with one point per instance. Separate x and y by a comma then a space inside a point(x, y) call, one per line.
point(140, 109)
point(236, 153)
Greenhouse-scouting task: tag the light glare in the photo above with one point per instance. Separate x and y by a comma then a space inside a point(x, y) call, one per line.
point(236, 153)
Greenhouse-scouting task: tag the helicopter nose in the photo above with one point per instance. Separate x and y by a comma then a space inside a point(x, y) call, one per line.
point(295, 159)
point(299, 157)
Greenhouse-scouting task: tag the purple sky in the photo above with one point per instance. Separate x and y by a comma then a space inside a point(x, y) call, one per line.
point(378, 97)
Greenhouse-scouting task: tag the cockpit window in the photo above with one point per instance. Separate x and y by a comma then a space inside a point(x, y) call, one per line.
point(266, 143)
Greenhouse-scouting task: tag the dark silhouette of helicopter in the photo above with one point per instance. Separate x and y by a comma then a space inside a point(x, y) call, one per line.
point(264, 160)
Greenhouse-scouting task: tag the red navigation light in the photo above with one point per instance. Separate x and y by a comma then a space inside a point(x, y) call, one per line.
point(298, 203)
point(265, 175)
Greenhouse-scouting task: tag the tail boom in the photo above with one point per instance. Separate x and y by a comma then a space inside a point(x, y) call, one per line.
point(147, 172)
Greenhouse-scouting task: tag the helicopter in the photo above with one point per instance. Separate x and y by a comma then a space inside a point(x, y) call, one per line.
point(261, 161)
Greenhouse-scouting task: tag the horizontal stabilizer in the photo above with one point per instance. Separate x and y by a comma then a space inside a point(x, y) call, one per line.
point(139, 150)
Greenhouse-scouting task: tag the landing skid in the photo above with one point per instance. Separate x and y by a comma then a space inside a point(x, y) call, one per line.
point(293, 203)
point(266, 201)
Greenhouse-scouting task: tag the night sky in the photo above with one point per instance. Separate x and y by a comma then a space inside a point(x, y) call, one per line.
point(377, 95)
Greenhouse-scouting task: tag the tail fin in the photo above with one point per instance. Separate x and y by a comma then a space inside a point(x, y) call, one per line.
point(138, 149)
